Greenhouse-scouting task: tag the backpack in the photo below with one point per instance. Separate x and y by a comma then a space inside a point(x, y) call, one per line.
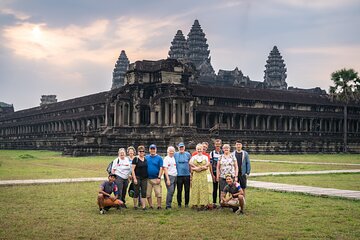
point(109, 167)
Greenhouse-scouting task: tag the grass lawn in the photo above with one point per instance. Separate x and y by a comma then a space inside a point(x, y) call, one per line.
point(331, 158)
point(68, 211)
point(348, 181)
point(28, 164)
point(257, 167)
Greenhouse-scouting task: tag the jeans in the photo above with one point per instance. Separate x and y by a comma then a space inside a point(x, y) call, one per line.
point(170, 190)
point(180, 182)
point(122, 185)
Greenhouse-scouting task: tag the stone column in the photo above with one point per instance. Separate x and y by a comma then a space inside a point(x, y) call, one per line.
point(191, 113)
point(257, 122)
point(268, 123)
point(207, 120)
point(233, 117)
point(203, 121)
point(121, 114)
point(152, 116)
point(160, 120)
point(178, 113)
point(174, 112)
point(166, 115)
point(107, 114)
point(183, 114)
point(116, 113)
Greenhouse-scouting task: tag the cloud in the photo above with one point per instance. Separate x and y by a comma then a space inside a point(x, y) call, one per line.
point(57, 45)
point(317, 4)
point(17, 14)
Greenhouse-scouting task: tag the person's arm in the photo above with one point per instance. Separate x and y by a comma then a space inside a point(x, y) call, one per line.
point(113, 168)
point(218, 170)
point(166, 173)
point(236, 169)
point(133, 166)
point(248, 167)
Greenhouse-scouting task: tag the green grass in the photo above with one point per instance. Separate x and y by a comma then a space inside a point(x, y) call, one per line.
point(28, 164)
point(348, 181)
point(36, 164)
point(257, 167)
point(69, 211)
point(331, 158)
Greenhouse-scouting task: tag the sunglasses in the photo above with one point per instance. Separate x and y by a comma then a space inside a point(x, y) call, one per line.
point(141, 151)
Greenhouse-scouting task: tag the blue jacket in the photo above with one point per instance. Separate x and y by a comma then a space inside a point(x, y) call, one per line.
point(245, 165)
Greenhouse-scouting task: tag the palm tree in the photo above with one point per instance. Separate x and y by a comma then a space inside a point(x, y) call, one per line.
point(346, 89)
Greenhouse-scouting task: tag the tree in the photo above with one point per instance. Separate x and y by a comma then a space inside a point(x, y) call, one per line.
point(346, 89)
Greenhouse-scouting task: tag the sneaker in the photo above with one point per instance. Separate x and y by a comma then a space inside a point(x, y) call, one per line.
point(186, 206)
point(107, 208)
point(239, 212)
point(135, 208)
point(124, 206)
point(179, 206)
point(144, 208)
point(235, 209)
point(102, 211)
point(151, 207)
point(159, 208)
point(168, 208)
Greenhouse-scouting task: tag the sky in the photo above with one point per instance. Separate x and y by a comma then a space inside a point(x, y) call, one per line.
point(69, 47)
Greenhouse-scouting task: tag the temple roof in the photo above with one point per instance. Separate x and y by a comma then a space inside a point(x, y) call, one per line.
point(268, 95)
point(155, 66)
point(59, 106)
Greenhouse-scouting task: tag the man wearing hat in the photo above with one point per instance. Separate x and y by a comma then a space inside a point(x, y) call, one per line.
point(182, 159)
point(105, 200)
point(155, 170)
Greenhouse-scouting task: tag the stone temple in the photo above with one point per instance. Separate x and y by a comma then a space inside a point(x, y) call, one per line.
point(181, 98)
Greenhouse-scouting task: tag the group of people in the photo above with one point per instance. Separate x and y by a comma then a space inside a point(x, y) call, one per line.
point(229, 172)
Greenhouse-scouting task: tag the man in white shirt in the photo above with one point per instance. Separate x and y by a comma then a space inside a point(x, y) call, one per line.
point(170, 175)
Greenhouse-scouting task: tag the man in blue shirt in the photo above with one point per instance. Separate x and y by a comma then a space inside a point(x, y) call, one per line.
point(182, 159)
point(155, 170)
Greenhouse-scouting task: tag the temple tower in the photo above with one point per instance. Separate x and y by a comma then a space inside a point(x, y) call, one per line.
point(121, 67)
point(275, 71)
point(178, 48)
point(198, 48)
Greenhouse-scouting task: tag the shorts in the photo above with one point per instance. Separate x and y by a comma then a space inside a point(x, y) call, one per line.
point(243, 181)
point(110, 203)
point(151, 184)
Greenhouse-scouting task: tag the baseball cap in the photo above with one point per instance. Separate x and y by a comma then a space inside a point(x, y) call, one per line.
point(181, 144)
point(152, 146)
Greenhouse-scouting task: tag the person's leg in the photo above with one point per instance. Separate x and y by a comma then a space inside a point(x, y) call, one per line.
point(143, 186)
point(124, 190)
point(170, 191)
point(149, 187)
point(187, 190)
point(158, 193)
point(243, 183)
point(119, 185)
point(179, 183)
point(215, 190)
point(222, 183)
point(136, 193)
point(100, 201)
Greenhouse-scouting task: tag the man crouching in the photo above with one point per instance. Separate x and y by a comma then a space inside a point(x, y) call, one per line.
point(105, 200)
point(232, 196)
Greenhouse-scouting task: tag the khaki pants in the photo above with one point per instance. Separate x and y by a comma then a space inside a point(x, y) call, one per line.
point(151, 184)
